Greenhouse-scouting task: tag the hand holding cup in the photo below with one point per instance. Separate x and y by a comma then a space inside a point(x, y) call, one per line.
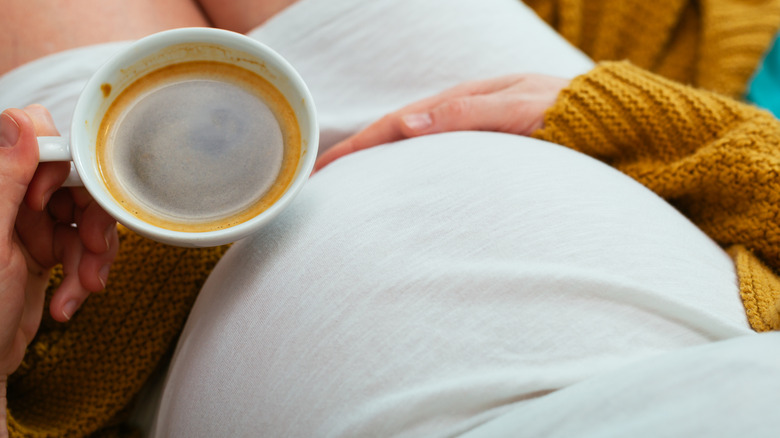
point(42, 225)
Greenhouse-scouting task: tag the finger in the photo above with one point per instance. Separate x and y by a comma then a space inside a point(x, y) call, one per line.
point(431, 116)
point(61, 207)
point(22, 297)
point(390, 128)
point(385, 130)
point(18, 161)
point(94, 268)
point(466, 89)
point(49, 176)
point(42, 120)
point(37, 279)
point(509, 113)
point(483, 86)
point(35, 231)
point(71, 293)
point(96, 228)
point(80, 196)
point(478, 113)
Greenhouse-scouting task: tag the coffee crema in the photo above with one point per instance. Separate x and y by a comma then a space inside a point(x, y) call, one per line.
point(198, 146)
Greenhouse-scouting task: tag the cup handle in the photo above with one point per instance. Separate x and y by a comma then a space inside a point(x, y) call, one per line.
point(58, 149)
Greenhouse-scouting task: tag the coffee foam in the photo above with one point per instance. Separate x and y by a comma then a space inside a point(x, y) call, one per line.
point(199, 146)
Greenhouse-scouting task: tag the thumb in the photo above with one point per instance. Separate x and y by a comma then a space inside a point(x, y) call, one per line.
point(18, 161)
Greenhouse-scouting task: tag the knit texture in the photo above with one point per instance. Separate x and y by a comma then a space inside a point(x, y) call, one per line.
point(712, 44)
point(717, 161)
point(759, 287)
point(79, 377)
point(712, 158)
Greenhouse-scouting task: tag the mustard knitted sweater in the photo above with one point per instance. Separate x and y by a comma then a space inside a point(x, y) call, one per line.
point(713, 158)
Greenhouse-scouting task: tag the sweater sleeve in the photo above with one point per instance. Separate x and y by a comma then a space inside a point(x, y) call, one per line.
point(712, 44)
point(715, 159)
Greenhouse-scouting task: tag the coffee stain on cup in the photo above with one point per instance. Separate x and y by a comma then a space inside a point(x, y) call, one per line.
point(106, 89)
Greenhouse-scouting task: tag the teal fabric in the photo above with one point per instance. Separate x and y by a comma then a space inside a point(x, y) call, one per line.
point(764, 88)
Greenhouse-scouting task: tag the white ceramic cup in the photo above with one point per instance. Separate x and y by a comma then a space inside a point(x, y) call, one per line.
point(154, 52)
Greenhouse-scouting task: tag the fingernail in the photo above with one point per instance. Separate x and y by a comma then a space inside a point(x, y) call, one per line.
point(70, 308)
point(9, 131)
point(103, 275)
point(417, 122)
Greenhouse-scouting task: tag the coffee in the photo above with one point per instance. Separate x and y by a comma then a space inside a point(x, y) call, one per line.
point(198, 146)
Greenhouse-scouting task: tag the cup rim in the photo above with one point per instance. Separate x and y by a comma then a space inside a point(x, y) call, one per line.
point(84, 161)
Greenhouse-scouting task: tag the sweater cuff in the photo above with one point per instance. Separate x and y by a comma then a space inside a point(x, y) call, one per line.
point(618, 112)
point(760, 289)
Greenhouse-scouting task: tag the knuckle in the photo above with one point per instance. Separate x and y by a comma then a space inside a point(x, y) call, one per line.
point(35, 108)
point(349, 147)
point(457, 108)
point(388, 121)
point(465, 88)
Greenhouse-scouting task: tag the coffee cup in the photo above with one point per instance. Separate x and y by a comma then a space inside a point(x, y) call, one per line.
point(192, 137)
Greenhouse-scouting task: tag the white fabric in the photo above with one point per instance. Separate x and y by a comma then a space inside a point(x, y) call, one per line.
point(55, 81)
point(426, 287)
point(363, 59)
point(725, 389)
point(453, 283)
